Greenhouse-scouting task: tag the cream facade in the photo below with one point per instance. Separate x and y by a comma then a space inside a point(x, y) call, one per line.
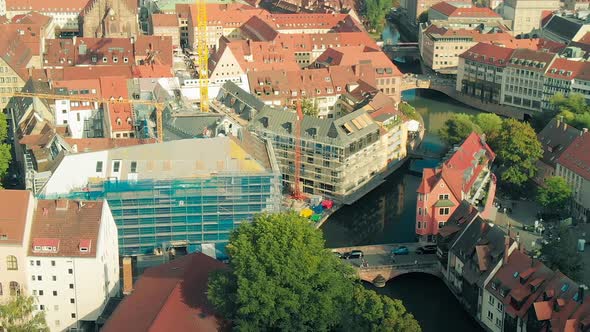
point(581, 190)
point(13, 276)
point(525, 15)
point(74, 289)
point(10, 82)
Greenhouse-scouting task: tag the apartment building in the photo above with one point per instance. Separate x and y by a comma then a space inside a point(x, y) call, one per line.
point(574, 166)
point(161, 196)
point(560, 77)
point(72, 261)
point(523, 80)
point(480, 71)
point(14, 241)
point(15, 60)
point(441, 43)
point(462, 12)
point(465, 175)
point(555, 138)
point(65, 13)
point(526, 15)
point(166, 25)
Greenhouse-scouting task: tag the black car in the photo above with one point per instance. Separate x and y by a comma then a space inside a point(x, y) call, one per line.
point(426, 250)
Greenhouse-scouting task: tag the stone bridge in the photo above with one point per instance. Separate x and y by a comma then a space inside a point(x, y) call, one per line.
point(448, 87)
point(380, 266)
point(401, 50)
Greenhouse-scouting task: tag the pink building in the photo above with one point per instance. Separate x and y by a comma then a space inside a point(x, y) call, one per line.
point(465, 175)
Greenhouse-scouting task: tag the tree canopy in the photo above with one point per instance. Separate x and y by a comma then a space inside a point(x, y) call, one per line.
point(457, 128)
point(17, 315)
point(560, 253)
point(556, 195)
point(374, 12)
point(517, 151)
point(573, 108)
point(5, 155)
point(282, 278)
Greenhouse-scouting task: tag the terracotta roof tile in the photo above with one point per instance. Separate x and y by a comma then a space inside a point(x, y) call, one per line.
point(120, 114)
point(566, 69)
point(543, 310)
point(531, 60)
point(63, 224)
point(576, 157)
point(448, 9)
point(165, 20)
point(489, 54)
point(161, 45)
point(81, 73)
point(13, 220)
point(170, 297)
point(100, 144)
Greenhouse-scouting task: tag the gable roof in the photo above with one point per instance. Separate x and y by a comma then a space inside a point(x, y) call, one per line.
point(555, 138)
point(13, 220)
point(120, 114)
point(170, 297)
point(489, 54)
point(563, 27)
point(64, 223)
point(448, 9)
point(165, 20)
point(576, 157)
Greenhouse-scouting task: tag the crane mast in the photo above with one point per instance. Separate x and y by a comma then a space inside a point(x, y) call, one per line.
point(297, 194)
point(203, 53)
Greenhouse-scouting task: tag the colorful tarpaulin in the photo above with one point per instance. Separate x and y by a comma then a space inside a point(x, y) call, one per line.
point(306, 213)
point(316, 217)
point(327, 204)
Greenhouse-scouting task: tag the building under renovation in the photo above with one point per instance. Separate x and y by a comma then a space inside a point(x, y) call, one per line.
point(182, 194)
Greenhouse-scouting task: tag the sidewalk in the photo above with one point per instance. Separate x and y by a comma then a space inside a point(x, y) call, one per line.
point(523, 213)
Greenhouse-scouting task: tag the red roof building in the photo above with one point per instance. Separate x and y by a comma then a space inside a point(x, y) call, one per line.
point(13, 225)
point(118, 116)
point(170, 297)
point(443, 188)
point(574, 166)
point(461, 11)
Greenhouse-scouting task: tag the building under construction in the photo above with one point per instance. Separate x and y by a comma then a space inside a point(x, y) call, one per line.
point(183, 194)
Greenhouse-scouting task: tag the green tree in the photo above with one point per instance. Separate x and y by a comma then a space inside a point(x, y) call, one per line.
point(518, 150)
point(457, 128)
point(374, 12)
point(373, 312)
point(556, 195)
point(5, 155)
point(309, 108)
point(490, 125)
point(17, 315)
point(409, 111)
point(572, 108)
point(561, 254)
point(281, 277)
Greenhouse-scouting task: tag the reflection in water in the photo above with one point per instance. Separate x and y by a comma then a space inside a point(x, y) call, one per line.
point(431, 303)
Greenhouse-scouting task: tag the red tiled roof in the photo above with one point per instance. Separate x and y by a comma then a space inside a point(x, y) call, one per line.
point(99, 144)
point(585, 39)
point(576, 157)
point(530, 59)
point(449, 10)
point(161, 45)
point(566, 69)
point(165, 20)
point(88, 51)
point(14, 50)
point(78, 220)
point(226, 15)
point(489, 54)
point(170, 297)
point(13, 220)
point(543, 310)
point(120, 114)
point(358, 55)
point(81, 73)
point(152, 71)
point(46, 6)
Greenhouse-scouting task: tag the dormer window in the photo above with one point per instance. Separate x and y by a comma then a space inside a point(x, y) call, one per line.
point(105, 59)
point(85, 245)
point(126, 59)
point(115, 59)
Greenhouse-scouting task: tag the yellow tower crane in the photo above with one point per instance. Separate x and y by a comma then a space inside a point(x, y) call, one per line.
point(159, 106)
point(203, 53)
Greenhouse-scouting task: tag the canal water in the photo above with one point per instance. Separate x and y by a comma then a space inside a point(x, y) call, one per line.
point(387, 215)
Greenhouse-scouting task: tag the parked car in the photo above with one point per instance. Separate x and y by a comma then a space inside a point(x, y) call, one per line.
point(402, 250)
point(426, 250)
point(353, 254)
point(337, 254)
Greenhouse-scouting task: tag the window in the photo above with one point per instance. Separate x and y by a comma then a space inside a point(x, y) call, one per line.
point(78, 117)
point(443, 196)
point(98, 166)
point(14, 288)
point(104, 59)
point(54, 293)
point(116, 166)
point(71, 286)
point(56, 307)
point(39, 278)
point(32, 263)
point(134, 167)
point(490, 315)
point(64, 111)
point(73, 315)
point(491, 300)
point(34, 292)
point(498, 322)
point(72, 301)
point(444, 211)
point(40, 292)
point(500, 306)
point(441, 224)
point(52, 263)
point(33, 277)
point(70, 271)
point(57, 323)
point(419, 211)
point(41, 307)
point(54, 278)
point(125, 59)
point(11, 263)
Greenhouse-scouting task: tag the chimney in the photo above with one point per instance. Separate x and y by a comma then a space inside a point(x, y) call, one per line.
point(127, 276)
point(506, 247)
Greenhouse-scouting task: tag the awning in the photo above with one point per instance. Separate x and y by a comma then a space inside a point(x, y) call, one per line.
point(444, 203)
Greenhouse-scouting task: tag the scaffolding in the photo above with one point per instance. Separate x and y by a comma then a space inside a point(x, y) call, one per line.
point(152, 214)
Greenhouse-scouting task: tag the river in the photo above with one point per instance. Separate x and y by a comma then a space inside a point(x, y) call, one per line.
point(387, 215)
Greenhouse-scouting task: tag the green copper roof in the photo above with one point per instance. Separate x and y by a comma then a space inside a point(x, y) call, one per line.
point(444, 203)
